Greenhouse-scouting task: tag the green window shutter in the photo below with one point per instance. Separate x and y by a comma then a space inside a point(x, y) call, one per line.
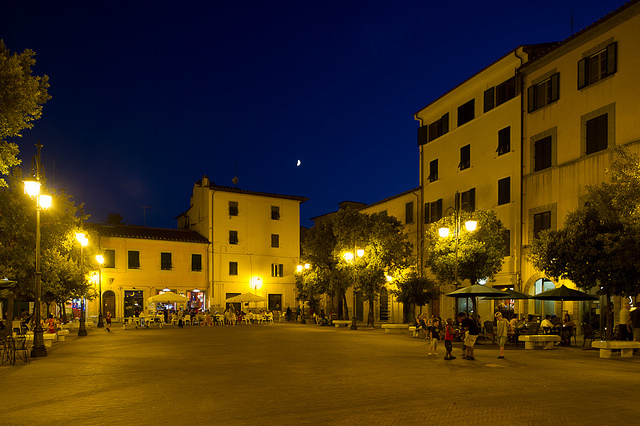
point(582, 73)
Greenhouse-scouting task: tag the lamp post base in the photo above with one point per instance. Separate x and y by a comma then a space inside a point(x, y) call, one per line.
point(38, 349)
point(100, 322)
point(354, 326)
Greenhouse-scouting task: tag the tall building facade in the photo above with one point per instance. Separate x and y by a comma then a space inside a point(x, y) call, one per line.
point(255, 242)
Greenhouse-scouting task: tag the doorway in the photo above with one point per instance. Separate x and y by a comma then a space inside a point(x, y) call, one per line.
point(109, 303)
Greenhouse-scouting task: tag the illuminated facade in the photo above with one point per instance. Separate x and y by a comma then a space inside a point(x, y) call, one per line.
point(255, 242)
point(580, 100)
point(140, 262)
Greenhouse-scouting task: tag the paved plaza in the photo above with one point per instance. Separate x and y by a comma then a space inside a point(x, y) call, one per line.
point(292, 374)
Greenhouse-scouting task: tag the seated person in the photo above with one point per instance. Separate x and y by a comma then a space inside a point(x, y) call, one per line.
point(546, 324)
point(568, 327)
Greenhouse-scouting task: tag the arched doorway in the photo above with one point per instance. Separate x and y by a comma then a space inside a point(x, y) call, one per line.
point(109, 303)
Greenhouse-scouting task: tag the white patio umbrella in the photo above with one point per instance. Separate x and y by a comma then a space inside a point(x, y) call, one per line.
point(246, 297)
point(167, 297)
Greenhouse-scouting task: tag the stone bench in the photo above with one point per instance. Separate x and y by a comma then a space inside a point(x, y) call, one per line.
point(388, 328)
point(548, 340)
point(62, 335)
point(338, 323)
point(606, 348)
point(415, 332)
point(49, 338)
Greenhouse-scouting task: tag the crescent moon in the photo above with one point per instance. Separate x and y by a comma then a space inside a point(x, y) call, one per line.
point(299, 162)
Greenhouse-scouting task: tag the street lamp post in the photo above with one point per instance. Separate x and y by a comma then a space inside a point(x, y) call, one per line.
point(84, 241)
point(470, 226)
point(300, 269)
point(43, 201)
point(353, 257)
point(100, 260)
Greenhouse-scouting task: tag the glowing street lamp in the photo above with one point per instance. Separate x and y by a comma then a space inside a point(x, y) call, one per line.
point(43, 201)
point(100, 260)
point(84, 241)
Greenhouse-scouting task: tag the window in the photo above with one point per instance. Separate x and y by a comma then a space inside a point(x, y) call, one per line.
point(165, 261)
point(465, 157)
point(233, 268)
point(506, 91)
point(466, 112)
point(504, 141)
point(408, 212)
point(133, 257)
point(596, 136)
point(434, 130)
point(277, 270)
point(507, 242)
point(233, 208)
point(233, 237)
point(109, 259)
point(433, 170)
point(543, 93)
point(275, 240)
point(542, 154)
point(541, 221)
point(504, 191)
point(500, 94)
point(275, 213)
point(196, 262)
point(433, 211)
point(597, 66)
point(489, 99)
point(468, 200)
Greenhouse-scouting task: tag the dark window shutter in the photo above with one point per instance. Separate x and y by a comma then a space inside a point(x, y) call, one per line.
point(531, 98)
point(489, 99)
point(422, 135)
point(582, 73)
point(445, 123)
point(555, 87)
point(426, 213)
point(611, 58)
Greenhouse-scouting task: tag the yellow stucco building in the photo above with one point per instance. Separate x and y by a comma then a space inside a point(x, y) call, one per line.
point(255, 242)
point(140, 262)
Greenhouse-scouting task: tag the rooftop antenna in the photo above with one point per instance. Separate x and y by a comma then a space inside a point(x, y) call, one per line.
point(144, 214)
point(571, 21)
point(235, 179)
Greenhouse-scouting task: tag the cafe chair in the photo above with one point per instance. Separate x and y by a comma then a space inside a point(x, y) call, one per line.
point(489, 332)
point(187, 319)
point(588, 333)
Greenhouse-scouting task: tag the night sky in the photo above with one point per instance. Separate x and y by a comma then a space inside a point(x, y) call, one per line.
point(149, 96)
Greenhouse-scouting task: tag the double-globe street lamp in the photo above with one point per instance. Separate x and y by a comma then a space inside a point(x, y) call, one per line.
point(469, 225)
point(84, 241)
point(352, 258)
point(43, 201)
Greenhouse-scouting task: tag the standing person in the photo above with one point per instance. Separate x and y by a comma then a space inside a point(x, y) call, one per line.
point(435, 335)
point(289, 313)
point(298, 313)
point(108, 318)
point(51, 323)
point(448, 339)
point(471, 332)
point(501, 332)
point(625, 322)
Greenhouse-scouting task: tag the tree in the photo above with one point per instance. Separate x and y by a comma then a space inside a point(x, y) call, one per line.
point(115, 219)
point(480, 253)
point(308, 289)
point(22, 96)
point(59, 250)
point(383, 241)
point(414, 290)
point(599, 243)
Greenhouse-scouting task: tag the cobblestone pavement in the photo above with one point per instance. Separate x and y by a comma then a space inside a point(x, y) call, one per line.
point(288, 374)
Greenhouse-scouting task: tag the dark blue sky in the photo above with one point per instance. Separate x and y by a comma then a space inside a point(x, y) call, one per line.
point(148, 96)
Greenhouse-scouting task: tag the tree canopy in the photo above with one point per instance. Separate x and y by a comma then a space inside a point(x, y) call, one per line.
point(22, 96)
point(385, 252)
point(479, 254)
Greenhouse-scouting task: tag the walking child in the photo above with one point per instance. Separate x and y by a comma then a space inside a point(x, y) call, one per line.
point(448, 339)
point(108, 318)
point(501, 332)
point(435, 335)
